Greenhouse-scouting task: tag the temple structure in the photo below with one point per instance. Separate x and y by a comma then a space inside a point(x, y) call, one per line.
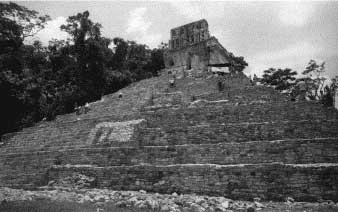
point(214, 135)
point(188, 34)
point(192, 48)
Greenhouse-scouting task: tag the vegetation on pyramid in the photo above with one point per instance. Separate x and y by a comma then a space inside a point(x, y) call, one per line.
point(200, 126)
point(39, 82)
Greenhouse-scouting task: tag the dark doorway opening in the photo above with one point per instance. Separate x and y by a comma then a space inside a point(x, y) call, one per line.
point(189, 62)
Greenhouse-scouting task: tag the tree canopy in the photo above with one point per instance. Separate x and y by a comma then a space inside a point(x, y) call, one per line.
point(280, 79)
point(39, 82)
point(311, 81)
point(237, 63)
point(314, 79)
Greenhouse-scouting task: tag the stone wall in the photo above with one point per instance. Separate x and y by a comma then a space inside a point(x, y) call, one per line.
point(63, 135)
point(293, 151)
point(192, 48)
point(26, 157)
point(28, 169)
point(78, 133)
point(188, 34)
point(170, 142)
point(197, 54)
point(223, 112)
point(174, 98)
point(236, 132)
point(267, 181)
point(106, 141)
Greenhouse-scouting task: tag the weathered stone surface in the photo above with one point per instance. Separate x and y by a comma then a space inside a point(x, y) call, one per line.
point(192, 48)
point(108, 132)
point(136, 200)
point(76, 181)
point(305, 182)
point(191, 137)
point(188, 34)
point(294, 151)
point(171, 134)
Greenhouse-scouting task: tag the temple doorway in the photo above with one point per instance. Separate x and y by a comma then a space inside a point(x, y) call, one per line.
point(189, 62)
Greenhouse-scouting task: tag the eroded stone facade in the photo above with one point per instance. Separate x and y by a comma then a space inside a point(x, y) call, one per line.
point(189, 34)
point(240, 140)
point(192, 48)
point(109, 132)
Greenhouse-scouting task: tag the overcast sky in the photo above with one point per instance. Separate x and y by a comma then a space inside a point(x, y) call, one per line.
point(267, 34)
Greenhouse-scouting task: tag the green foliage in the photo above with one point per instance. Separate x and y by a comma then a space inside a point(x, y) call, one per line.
point(327, 96)
point(89, 52)
point(237, 63)
point(38, 82)
point(311, 84)
point(280, 79)
point(20, 66)
point(137, 59)
point(19, 22)
point(314, 80)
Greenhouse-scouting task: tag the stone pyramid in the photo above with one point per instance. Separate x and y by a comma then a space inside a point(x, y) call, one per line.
point(237, 140)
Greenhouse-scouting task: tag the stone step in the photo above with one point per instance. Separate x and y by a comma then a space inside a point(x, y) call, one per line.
point(232, 89)
point(271, 181)
point(224, 112)
point(320, 150)
point(213, 133)
point(78, 132)
point(236, 132)
point(247, 94)
point(57, 135)
point(33, 165)
point(176, 135)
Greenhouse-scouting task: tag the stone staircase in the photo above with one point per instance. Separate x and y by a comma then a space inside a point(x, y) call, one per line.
point(241, 142)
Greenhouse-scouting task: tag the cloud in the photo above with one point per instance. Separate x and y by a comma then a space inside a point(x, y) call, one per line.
point(295, 13)
point(190, 10)
point(136, 21)
point(199, 10)
point(295, 56)
point(139, 27)
point(300, 49)
point(51, 30)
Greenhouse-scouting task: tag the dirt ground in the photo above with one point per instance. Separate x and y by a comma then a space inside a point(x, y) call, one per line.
point(65, 206)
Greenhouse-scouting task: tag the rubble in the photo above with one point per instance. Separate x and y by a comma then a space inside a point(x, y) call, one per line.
point(151, 201)
point(124, 199)
point(75, 181)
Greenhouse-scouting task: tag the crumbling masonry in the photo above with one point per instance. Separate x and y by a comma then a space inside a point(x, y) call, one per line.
point(191, 47)
point(242, 141)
